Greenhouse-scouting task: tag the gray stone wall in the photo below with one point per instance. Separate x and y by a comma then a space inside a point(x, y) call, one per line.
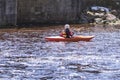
point(8, 12)
point(48, 11)
point(14, 12)
point(2, 12)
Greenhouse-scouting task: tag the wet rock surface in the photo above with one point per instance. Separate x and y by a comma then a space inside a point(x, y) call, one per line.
point(25, 55)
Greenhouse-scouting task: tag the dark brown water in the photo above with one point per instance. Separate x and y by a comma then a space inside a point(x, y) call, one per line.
point(25, 55)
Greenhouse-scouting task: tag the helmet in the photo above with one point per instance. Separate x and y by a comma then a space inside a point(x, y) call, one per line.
point(67, 26)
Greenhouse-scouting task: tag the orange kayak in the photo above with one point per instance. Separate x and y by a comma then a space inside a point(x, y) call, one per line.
point(73, 39)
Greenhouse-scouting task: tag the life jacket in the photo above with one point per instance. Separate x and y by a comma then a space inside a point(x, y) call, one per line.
point(66, 34)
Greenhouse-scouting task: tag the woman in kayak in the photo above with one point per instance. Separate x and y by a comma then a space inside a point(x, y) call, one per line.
point(67, 33)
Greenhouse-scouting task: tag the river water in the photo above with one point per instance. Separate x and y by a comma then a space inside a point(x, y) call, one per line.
point(25, 55)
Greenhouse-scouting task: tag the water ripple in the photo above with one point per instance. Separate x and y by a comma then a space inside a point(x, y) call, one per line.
point(25, 55)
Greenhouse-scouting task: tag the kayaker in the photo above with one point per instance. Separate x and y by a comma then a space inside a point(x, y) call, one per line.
point(67, 33)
